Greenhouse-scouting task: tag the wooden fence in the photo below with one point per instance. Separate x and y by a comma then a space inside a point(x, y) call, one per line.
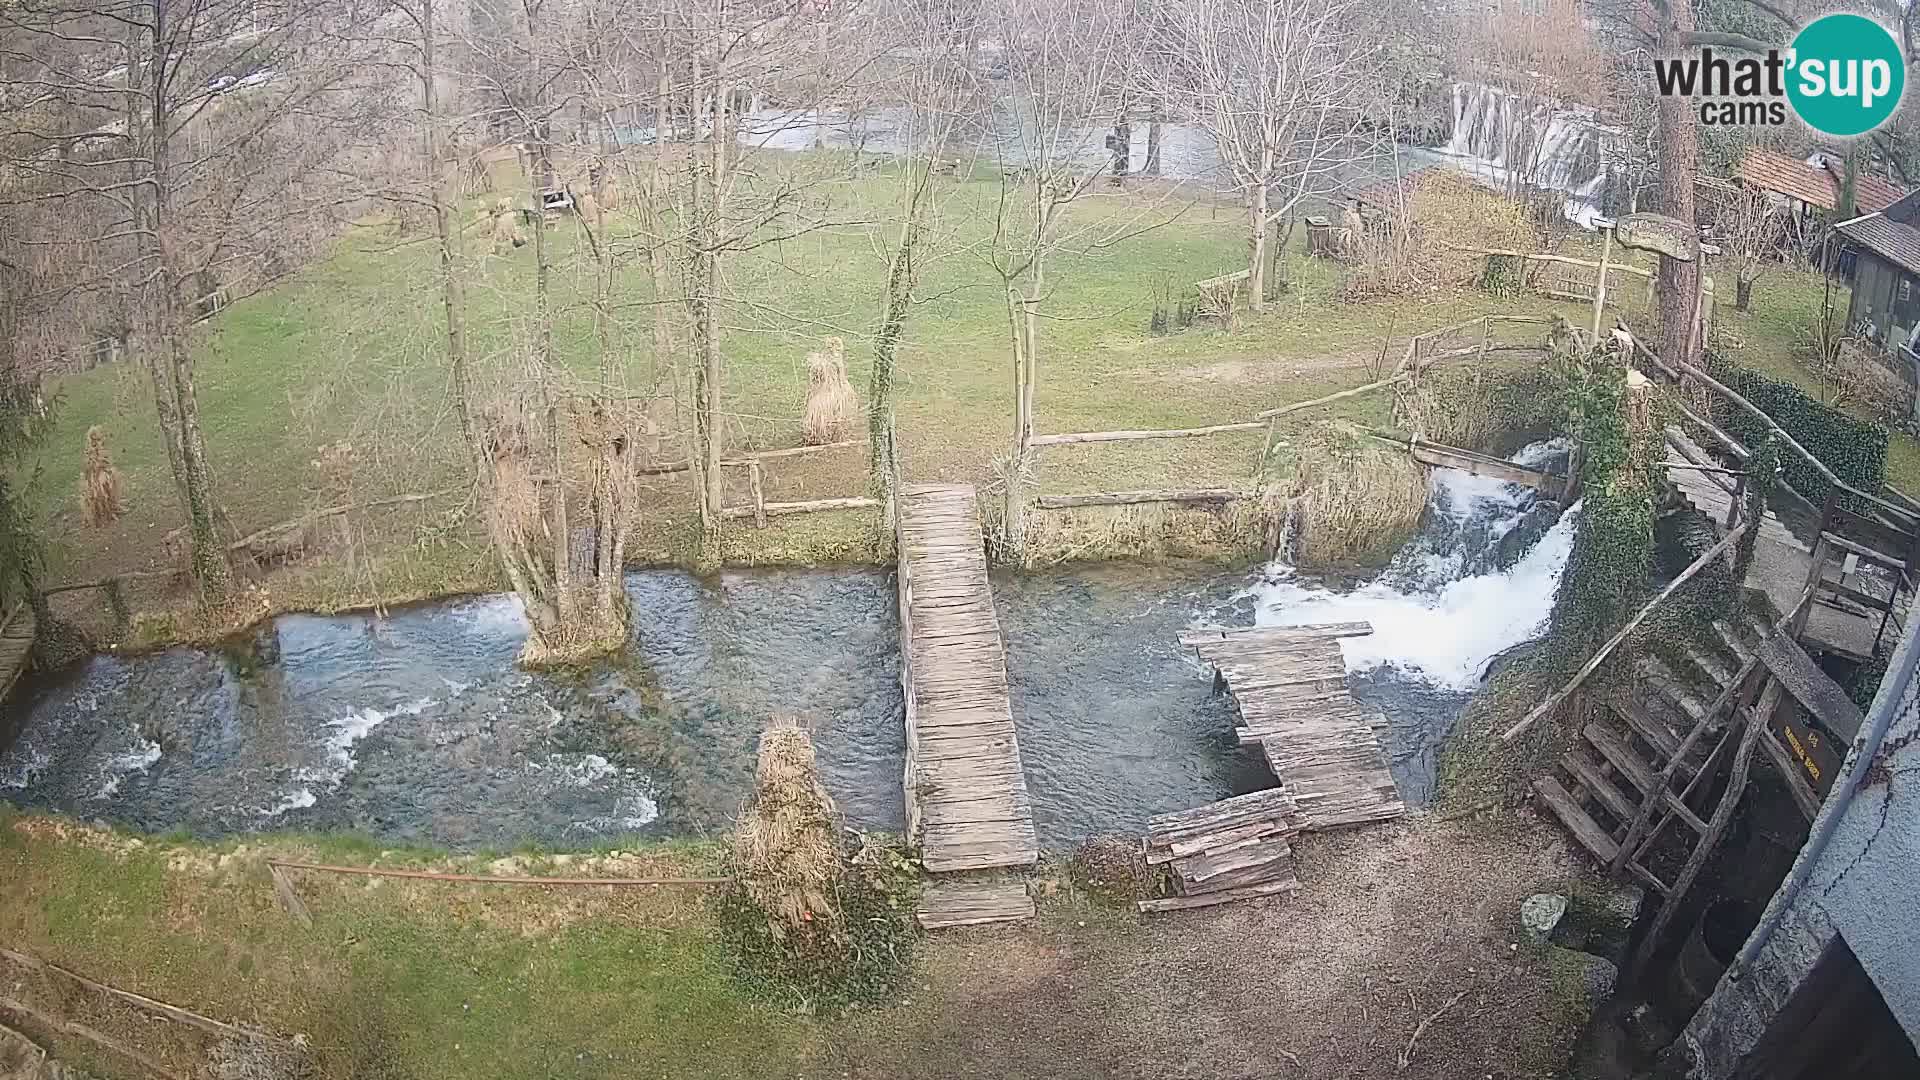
point(1422, 352)
point(757, 507)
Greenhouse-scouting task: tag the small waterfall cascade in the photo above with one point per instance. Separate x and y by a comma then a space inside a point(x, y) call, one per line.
point(1535, 141)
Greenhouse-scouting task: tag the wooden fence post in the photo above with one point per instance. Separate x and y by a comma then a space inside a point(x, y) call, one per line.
point(754, 484)
point(1600, 285)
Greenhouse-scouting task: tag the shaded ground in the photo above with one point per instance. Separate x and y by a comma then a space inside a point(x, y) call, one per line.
point(415, 979)
point(1390, 924)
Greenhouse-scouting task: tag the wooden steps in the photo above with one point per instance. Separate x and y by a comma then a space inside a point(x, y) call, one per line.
point(971, 903)
point(1578, 822)
point(1233, 849)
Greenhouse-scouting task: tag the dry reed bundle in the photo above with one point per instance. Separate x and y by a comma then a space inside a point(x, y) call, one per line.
point(832, 407)
point(1355, 501)
point(505, 233)
point(100, 483)
point(786, 852)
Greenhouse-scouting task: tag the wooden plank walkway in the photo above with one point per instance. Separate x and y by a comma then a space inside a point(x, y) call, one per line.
point(16, 646)
point(1290, 684)
point(967, 803)
point(969, 903)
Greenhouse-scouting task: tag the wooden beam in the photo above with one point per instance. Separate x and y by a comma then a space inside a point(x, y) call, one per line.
point(781, 509)
point(1133, 436)
point(1541, 256)
point(1756, 721)
point(1442, 456)
point(1686, 575)
point(1131, 498)
point(1304, 632)
point(743, 460)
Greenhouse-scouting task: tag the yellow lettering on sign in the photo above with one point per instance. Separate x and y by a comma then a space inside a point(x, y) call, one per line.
point(1806, 759)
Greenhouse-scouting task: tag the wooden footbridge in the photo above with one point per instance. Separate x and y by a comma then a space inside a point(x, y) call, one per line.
point(967, 804)
point(16, 646)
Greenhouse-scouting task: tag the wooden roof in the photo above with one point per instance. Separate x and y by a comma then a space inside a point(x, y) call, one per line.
point(1814, 185)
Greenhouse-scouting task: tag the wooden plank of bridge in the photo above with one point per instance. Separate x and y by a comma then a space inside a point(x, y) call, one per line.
point(16, 646)
point(1290, 686)
point(967, 802)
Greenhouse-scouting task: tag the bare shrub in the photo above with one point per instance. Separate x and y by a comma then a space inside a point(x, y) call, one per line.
point(1484, 410)
point(237, 1058)
point(1411, 248)
point(786, 855)
point(100, 483)
point(1355, 500)
point(832, 408)
point(805, 923)
point(1855, 372)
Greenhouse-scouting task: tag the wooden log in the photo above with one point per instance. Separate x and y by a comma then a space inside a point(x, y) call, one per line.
point(82, 1031)
point(756, 487)
point(1579, 677)
point(1302, 632)
point(1450, 457)
point(781, 509)
point(1132, 498)
point(132, 575)
point(743, 460)
point(153, 1005)
point(488, 879)
point(1134, 436)
point(1247, 892)
point(1542, 256)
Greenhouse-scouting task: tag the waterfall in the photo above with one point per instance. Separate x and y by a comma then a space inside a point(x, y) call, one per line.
point(1534, 141)
point(1479, 579)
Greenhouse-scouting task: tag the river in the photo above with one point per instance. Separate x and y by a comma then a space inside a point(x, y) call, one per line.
point(416, 727)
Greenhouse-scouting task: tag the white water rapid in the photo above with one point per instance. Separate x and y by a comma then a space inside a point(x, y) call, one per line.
point(1444, 608)
point(1533, 140)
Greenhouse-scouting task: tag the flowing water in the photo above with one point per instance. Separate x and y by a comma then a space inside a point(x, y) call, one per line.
point(416, 726)
point(1535, 141)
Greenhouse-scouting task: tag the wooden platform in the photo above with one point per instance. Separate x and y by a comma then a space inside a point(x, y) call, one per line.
point(970, 903)
point(16, 646)
point(1234, 849)
point(967, 805)
point(1291, 687)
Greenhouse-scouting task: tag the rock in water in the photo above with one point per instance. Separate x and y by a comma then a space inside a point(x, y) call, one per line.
point(1540, 913)
point(1517, 541)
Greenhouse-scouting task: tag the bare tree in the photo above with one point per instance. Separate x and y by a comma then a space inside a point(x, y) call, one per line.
point(1066, 62)
point(187, 144)
point(935, 83)
point(1750, 228)
point(1280, 85)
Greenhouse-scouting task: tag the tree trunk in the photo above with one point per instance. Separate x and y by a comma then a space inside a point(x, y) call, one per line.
point(544, 371)
point(709, 395)
point(656, 222)
point(211, 572)
point(884, 454)
point(1152, 165)
point(1742, 293)
point(1257, 227)
point(447, 231)
point(1679, 154)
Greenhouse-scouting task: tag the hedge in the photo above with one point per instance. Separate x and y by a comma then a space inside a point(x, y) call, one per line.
point(1855, 450)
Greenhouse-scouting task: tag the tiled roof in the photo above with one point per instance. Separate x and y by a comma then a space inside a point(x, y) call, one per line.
point(1812, 184)
point(1891, 240)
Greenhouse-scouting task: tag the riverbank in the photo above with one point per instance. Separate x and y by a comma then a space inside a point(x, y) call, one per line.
point(409, 978)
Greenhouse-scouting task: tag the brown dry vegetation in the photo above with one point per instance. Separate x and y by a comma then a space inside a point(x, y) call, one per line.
point(1355, 499)
point(416, 978)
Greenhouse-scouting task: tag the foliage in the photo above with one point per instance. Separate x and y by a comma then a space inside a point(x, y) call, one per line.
point(1866, 679)
point(1502, 276)
point(1112, 869)
point(831, 407)
point(1355, 500)
point(808, 925)
point(1763, 471)
point(100, 487)
point(24, 419)
point(1412, 249)
point(1855, 450)
point(1488, 410)
point(1613, 547)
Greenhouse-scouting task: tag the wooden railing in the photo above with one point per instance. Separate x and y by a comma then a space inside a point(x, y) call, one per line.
point(758, 508)
point(1420, 354)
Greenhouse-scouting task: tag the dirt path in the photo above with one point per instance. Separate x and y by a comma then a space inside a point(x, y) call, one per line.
point(1390, 925)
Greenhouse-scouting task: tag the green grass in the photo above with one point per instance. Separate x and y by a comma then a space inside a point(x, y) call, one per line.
point(352, 350)
point(397, 979)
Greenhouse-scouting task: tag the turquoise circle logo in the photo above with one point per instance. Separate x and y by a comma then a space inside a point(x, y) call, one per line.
point(1848, 75)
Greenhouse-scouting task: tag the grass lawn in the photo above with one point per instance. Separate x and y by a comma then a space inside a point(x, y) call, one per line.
point(352, 351)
